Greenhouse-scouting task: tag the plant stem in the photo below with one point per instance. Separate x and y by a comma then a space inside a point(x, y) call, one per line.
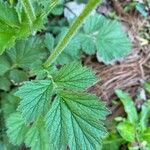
point(29, 10)
point(71, 32)
point(51, 5)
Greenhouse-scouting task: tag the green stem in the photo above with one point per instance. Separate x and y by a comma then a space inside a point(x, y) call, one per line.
point(73, 29)
point(29, 10)
point(52, 4)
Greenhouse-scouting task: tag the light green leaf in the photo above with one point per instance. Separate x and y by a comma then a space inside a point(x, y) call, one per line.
point(145, 136)
point(8, 15)
point(93, 24)
point(147, 86)
point(145, 115)
point(58, 10)
point(112, 43)
point(26, 52)
point(74, 76)
point(21, 21)
point(112, 140)
point(37, 137)
point(75, 119)
point(88, 38)
point(87, 44)
point(35, 98)
point(127, 131)
point(49, 41)
point(107, 36)
point(16, 128)
point(128, 106)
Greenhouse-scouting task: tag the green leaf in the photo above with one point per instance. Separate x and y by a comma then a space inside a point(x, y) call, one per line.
point(145, 115)
point(18, 76)
point(128, 106)
point(75, 119)
point(58, 10)
point(87, 44)
point(112, 44)
point(145, 136)
point(127, 131)
point(9, 103)
point(88, 39)
point(26, 52)
point(37, 137)
point(105, 36)
point(47, 5)
point(49, 41)
point(9, 23)
point(112, 140)
point(16, 128)
point(8, 15)
point(71, 52)
point(4, 65)
point(4, 84)
point(147, 86)
point(74, 76)
point(21, 21)
point(35, 97)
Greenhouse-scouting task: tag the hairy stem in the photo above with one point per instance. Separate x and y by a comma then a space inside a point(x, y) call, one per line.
point(28, 8)
point(71, 32)
point(51, 5)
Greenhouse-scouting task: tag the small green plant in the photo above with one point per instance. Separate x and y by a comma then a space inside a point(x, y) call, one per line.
point(45, 104)
point(134, 129)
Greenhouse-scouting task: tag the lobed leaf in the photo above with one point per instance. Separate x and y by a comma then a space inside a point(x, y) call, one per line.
point(35, 98)
point(16, 128)
point(21, 21)
point(74, 76)
point(26, 52)
point(37, 137)
point(75, 119)
point(106, 37)
point(4, 65)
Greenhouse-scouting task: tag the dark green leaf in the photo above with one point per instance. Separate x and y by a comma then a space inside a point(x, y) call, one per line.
point(4, 84)
point(4, 65)
point(9, 103)
point(18, 76)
